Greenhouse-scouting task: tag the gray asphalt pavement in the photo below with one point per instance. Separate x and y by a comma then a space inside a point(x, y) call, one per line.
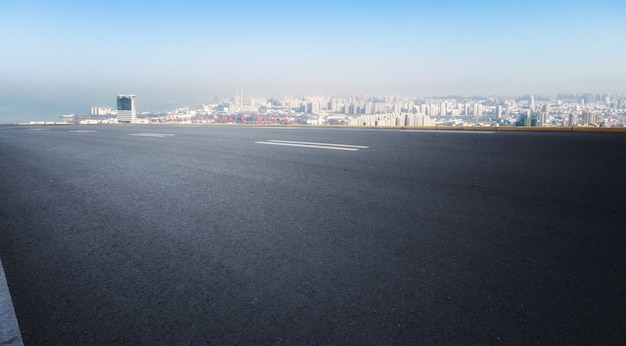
point(226, 235)
point(9, 328)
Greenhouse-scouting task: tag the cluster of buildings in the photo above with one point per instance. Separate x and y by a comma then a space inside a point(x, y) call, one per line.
point(126, 112)
point(391, 119)
point(560, 110)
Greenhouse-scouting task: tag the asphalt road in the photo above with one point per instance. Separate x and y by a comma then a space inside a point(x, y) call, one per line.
point(177, 235)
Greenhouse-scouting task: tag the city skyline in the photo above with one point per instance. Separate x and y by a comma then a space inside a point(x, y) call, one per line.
point(564, 110)
point(68, 56)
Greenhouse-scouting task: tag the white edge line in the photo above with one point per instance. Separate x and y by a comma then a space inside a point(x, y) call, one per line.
point(322, 144)
point(308, 146)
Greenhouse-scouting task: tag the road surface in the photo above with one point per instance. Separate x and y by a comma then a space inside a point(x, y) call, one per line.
point(225, 235)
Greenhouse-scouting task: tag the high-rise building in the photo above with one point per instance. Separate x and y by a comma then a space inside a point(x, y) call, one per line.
point(369, 108)
point(126, 112)
point(380, 107)
point(589, 117)
point(547, 108)
point(397, 108)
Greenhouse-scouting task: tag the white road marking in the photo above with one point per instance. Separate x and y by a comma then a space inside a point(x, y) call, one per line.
point(324, 144)
point(451, 131)
point(82, 131)
point(345, 147)
point(160, 135)
point(37, 129)
point(308, 146)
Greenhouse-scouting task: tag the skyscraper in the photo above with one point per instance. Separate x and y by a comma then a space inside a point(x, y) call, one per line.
point(126, 112)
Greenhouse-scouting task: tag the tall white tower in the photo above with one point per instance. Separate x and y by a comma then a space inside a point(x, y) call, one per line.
point(126, 112)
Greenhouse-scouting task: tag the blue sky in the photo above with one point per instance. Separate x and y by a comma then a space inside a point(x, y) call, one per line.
point(64, 56)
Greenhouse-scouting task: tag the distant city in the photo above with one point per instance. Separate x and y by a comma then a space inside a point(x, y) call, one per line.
point(562, 110)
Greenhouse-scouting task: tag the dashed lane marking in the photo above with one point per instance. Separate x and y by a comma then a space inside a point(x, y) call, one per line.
point(325, 144)
point(331, 146)
point(82, 131)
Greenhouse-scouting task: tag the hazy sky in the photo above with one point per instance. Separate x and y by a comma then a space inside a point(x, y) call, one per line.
point(65, 56)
